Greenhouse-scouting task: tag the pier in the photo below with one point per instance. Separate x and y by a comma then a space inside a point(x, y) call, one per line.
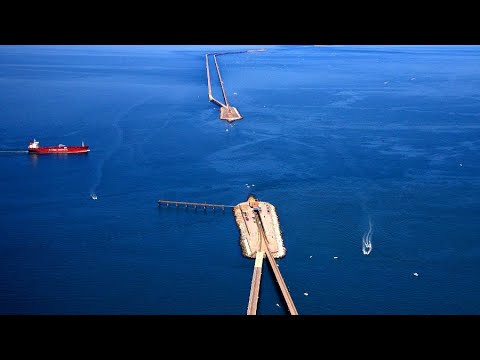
point(193, 204)
point(227, 112)
point(260, 237)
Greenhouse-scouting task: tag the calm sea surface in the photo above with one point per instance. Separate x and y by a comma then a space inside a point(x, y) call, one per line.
point(336, 137)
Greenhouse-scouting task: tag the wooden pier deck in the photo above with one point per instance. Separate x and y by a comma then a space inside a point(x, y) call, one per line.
point(193, 204)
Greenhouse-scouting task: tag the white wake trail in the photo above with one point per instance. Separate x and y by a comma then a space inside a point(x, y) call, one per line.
point(367, 239)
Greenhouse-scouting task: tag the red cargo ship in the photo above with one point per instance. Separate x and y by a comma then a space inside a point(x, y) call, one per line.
point(34, 148)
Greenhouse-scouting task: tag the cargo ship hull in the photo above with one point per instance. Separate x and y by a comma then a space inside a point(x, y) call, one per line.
point(34, 148)
point(60, 150)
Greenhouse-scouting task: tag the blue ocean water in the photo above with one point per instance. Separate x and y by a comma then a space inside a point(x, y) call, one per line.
point(334, 136)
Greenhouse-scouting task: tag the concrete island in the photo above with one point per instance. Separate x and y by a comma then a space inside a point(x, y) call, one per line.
point(256, 219)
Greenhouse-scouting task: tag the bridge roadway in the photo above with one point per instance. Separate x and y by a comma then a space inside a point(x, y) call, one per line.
point(257, 273)
point(227, 112)
point(210, 96)
point(221, 81)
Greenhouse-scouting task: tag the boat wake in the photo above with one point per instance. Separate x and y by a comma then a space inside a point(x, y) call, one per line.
point(367, 239)
point(13, 151)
